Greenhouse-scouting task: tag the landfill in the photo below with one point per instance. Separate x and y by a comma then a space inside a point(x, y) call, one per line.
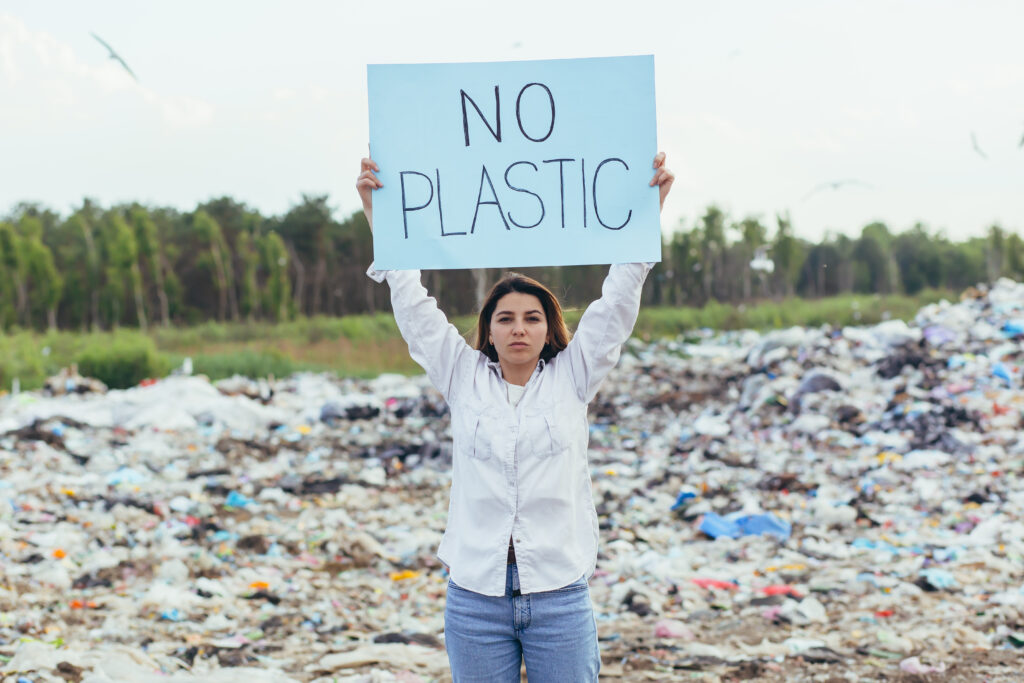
point(819, 504)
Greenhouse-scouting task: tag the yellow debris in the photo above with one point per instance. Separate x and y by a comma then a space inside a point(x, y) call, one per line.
point(403, 575)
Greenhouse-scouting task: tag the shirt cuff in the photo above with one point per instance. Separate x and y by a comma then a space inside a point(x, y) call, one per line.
point(645, 268)
point(376, 275)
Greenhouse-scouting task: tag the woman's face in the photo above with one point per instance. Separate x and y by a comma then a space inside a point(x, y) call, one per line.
point(519, 328)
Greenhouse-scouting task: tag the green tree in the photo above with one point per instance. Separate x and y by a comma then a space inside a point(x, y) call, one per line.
point(234, 219)
point(248, 286)
point(683, 274)
point(13, 291)
point(1014, 257)
point(820, 274)
point(80, 257)
point(121, 270)
point(788, 254)
point(277, 288)
point(919, 258)
point(753, 234)
point(964, 263)
point(43, 283)
point(16, 265)
point(995, 257)
point(215, 258)
point(308, 230)
point(874, 267)
point(151, 258)
point(712, 244)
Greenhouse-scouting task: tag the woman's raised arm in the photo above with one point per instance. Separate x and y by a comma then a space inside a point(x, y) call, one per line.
point(434, 343)
point(608, 322)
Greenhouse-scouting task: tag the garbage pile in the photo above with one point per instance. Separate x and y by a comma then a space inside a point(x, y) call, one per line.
point(796, 505)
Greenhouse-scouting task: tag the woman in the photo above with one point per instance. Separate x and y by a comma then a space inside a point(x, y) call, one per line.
point(521, 539)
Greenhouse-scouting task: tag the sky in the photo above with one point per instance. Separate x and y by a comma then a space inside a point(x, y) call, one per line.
point(760, 105)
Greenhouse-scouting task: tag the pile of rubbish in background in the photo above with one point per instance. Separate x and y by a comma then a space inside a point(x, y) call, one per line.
point(778, 506)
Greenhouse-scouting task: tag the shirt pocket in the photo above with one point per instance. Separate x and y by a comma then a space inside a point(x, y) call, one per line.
point(472, 435)
point(541, 435)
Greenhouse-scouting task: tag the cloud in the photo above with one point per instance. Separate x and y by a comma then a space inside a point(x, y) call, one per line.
point(726, 129)
point(8, 36)
point(818, 141)
point(47, 80)
point(182, 112)
point(300, 103)
point(319, 93)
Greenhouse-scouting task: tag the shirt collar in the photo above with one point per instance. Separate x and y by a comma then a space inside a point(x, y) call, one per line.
point(496, 366)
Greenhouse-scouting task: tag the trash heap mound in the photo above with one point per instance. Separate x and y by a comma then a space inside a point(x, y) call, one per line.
point(787, 506)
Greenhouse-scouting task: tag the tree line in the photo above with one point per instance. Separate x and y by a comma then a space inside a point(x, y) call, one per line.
point(132, 265)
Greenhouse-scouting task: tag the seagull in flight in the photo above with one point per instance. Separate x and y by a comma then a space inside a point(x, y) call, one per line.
point(115, 56)
point(977, 148)
point(835, 185)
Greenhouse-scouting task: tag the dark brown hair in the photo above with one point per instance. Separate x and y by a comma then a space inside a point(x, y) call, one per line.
point(558, 333)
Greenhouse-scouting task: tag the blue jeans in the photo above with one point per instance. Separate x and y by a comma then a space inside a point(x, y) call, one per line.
point(488, 638)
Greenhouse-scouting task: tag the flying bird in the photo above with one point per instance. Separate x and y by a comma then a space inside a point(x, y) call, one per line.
point(835, 185)
point(115, 56)
point(974, 141)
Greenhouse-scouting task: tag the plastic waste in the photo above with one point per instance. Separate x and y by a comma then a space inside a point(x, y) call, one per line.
point(673, 628)
point(753, 517)
point(736, 525)
point(913, 665)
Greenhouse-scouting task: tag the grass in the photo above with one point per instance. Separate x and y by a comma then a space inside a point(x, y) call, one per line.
point(838, 311)
point(368, 345)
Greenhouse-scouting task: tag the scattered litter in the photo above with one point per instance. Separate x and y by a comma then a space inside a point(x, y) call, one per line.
point(913, 665)
point(69, 381)
point(736, 525)
point(842, 498)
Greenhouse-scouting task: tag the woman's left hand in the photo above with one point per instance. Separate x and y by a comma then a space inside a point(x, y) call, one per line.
point(663, 178)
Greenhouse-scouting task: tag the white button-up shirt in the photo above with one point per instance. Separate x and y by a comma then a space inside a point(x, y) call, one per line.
point(519, 472)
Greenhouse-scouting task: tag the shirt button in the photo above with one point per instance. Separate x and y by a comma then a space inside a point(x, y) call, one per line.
point(519, 540)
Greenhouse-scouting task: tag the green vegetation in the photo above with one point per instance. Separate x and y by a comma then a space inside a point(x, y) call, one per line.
point(121, 360)
point(247, 362)
point(228, 273)
point(367, 345)
point(129, 291)
point(838, 311)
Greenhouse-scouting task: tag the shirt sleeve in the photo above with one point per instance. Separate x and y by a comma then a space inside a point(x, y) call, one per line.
point(605, 327)
point(434, 343)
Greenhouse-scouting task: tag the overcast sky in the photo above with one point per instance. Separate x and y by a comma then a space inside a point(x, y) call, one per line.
point(758, 103)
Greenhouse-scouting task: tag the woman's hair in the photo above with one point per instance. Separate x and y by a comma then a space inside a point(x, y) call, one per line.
point(558, 333)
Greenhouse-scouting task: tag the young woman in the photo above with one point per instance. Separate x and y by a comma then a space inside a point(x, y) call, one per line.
point(521, 539)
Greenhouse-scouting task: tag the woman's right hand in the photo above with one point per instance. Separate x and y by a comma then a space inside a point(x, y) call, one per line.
point(366, 183)
point(663, 178)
